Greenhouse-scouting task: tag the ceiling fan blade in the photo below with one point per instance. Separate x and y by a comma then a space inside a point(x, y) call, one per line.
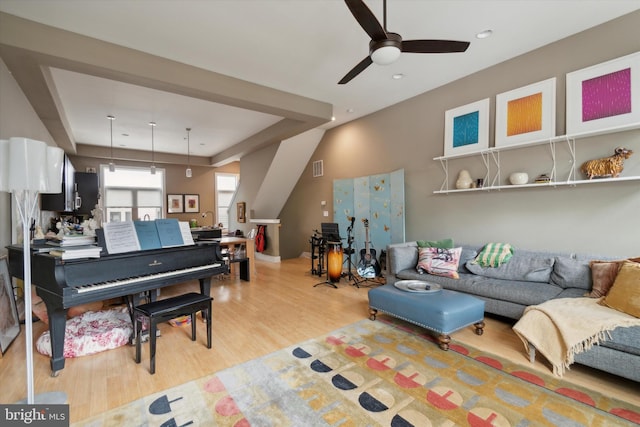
point(434, 46)
point(356, 70)
point(366, 19)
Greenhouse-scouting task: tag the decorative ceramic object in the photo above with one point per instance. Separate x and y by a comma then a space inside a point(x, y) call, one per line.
point(518, 178)
point(464, 179)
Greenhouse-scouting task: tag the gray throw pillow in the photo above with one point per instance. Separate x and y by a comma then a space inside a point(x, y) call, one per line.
point(571, 273)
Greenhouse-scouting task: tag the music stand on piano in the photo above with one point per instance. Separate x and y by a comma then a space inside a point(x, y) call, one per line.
point(331, 237)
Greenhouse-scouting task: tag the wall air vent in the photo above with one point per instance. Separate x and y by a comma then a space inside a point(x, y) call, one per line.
point(317, 168)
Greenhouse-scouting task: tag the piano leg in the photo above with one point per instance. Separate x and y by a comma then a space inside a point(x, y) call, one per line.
point(57, 325)
point(205, 289)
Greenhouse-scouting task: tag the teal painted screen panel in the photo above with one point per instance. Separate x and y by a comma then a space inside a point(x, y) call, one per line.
point(377, 198)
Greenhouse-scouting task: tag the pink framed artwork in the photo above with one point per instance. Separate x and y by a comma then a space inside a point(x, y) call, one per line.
point(604, 96)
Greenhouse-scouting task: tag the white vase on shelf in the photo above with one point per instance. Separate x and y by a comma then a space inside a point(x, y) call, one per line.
point(519, 178)
point(464, 180)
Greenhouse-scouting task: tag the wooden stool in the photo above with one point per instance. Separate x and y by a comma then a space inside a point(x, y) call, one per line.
point(167, 309)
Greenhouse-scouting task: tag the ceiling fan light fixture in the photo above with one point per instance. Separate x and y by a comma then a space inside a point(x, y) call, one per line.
point(385, 55)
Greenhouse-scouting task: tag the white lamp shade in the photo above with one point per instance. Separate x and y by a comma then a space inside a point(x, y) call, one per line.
point(28, 164)
point(385, 55)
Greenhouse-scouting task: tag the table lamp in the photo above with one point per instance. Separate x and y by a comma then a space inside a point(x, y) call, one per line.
point(27, 168)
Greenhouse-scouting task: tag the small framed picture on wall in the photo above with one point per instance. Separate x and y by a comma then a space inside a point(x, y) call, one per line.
point(174, 203)
point(242, 213)
point(466, 129)
point(191, 203)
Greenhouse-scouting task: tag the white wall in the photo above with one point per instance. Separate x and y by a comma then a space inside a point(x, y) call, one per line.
point(594, 218)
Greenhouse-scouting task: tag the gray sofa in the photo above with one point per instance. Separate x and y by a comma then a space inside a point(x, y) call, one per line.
point(528, 278)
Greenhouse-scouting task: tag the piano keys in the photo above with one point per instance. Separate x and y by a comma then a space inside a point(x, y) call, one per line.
point(64, 284)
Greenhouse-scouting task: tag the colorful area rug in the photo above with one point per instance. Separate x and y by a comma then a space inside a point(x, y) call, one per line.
point(381, 373)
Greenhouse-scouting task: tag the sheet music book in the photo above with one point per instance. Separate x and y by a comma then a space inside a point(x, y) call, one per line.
point(120, 237)
point(77, 252)
point(72, 240)
point(129, 236)
point(169, 232)
point(185, 230)
point(148, 236)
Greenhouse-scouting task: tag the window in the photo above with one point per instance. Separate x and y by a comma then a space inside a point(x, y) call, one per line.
point(226, 184)
point(132, 193)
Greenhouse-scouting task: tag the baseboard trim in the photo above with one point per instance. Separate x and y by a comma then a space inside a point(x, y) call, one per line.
point(268, 258)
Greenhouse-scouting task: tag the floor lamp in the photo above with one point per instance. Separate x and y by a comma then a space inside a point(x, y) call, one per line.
point(27, 168)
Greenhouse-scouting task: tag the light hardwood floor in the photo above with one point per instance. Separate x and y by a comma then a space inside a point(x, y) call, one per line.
point(278, 308)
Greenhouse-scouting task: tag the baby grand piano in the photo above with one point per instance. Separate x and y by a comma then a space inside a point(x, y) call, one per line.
point(64, 284)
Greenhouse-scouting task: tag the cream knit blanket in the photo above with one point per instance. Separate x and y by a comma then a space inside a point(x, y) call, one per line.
point(563, 327)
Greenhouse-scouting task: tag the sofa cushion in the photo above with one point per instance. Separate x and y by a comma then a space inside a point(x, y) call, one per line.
point(402, 257)
point(462, 284)
point(524, 265)
point(494, 255)
point(624, 295)
point(571, 273)
point(444, 243)
point(439, 261)
point(467, 254)
point(515, 291)
point(603, 274)
point(624, 339)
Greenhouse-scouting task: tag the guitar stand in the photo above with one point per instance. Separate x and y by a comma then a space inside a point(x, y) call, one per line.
point(358, 280)
point(349, 251)
point(370, 282)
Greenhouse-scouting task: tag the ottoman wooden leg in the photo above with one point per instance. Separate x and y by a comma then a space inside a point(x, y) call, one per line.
point(479, 327)
point(372, 313)
point(443, 341)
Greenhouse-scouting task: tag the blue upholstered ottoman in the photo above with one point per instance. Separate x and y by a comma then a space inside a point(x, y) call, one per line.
point(443, 311)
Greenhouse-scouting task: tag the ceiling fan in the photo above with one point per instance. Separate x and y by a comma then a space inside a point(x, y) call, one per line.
point(385, 47)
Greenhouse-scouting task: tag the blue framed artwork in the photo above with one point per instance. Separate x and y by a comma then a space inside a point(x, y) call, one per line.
point(467, 128)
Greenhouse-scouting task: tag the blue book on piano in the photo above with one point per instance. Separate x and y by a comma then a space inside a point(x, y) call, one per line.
point(169, 232)
point(148, 236)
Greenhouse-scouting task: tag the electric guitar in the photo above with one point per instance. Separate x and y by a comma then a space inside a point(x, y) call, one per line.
point(368, 267)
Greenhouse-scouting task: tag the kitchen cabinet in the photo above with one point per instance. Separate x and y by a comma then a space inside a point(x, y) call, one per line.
point(64, 200)
point(86, 192)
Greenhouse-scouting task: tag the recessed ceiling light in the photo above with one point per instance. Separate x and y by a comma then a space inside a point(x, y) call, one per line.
point(333, 118)
point(125, 134)
point(484, 34)
point(350, 110)
point(397, 76)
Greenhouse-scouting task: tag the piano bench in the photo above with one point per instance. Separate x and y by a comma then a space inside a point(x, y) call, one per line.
point(165, 310)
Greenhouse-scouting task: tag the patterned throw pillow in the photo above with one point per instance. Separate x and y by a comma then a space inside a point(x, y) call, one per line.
point(439, 261)
point(494, 255)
